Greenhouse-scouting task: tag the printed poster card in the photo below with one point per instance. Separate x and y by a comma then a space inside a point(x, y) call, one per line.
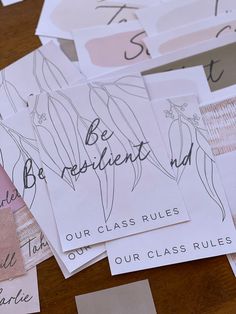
point(190, 35)
point(20, 295)
point(211, 231)
point(133, 298)
point(59, 18)
point(45, 69)
point(34, 246)
point(11, 260)
point(174, 14)
point(104, 49)
point(99, 138)
point(21, 160)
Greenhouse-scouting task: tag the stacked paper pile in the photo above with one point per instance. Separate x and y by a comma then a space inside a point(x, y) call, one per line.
point(98, 159)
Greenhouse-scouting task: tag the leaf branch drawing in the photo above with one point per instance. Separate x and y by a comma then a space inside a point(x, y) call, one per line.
point(67, 149)
point(184, 132)
point(21, 149)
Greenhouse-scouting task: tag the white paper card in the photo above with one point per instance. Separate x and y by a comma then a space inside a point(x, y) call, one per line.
point(43, 70)
point(174, 14)
point(104, 49)
point(191, 35)
point(178, 83)
point(59, 18)
point(8, 2)
point(211, 230)
point(21, 160)
point(115, 171)
point(20, 295)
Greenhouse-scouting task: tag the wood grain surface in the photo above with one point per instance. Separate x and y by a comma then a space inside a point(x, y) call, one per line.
point(201, 287)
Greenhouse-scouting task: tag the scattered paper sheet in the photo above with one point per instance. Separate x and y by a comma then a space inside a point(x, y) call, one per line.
point(20, 295)
point(133, 298)
point(183, 82)
point(21, 160)
point(219, 64)
point(219, 117)
point(58, 19)
point(34, 247)
point(113, 169)
point(104, 49)
point(211, 231)
point(8, 2)
point(11, 260)
point(43, 70)
point(178, 13)
point(190, 35)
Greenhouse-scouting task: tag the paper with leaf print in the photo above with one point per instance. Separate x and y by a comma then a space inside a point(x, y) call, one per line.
point(20, 159)
point(211, 231)
point(109, 172)
point(43, 70)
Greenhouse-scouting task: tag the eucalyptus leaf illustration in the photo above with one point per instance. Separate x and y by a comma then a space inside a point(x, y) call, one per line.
point(105, 176)
point(47, 75)
point(189, 130)
point(10, 95)
point(201, 136)
point(19, 148)
point(132, 85)
point(131, 129)
point(180, 141)
point(99, 101)
point(206, 168)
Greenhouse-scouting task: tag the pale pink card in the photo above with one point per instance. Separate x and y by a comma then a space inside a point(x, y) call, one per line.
point(11, 260)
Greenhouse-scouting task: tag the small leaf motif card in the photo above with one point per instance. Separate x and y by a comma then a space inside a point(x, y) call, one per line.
point(11, 260)
point(111, 176)
point(211, 231)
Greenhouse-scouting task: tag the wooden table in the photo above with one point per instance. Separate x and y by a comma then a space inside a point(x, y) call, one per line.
point(201, 287)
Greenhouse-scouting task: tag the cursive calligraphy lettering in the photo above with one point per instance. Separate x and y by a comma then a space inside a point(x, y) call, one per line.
point(91, 139)
point(9, 198)
point(186, 160)
point(34, 248)
point(29, 177)
point(20, 297)
point(9, 261)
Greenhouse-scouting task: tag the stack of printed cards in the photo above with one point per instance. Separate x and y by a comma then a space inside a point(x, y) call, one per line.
point(98, 159)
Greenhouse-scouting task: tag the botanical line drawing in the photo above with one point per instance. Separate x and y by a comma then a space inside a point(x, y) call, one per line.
point(185, 132)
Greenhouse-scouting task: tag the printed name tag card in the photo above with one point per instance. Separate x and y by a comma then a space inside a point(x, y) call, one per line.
point(112, 177)
point(211, 231)
point(104, 49)
point(11, 260)
point(174, 14)
point(191, 35)
point(59, 18)
point(20, 295)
